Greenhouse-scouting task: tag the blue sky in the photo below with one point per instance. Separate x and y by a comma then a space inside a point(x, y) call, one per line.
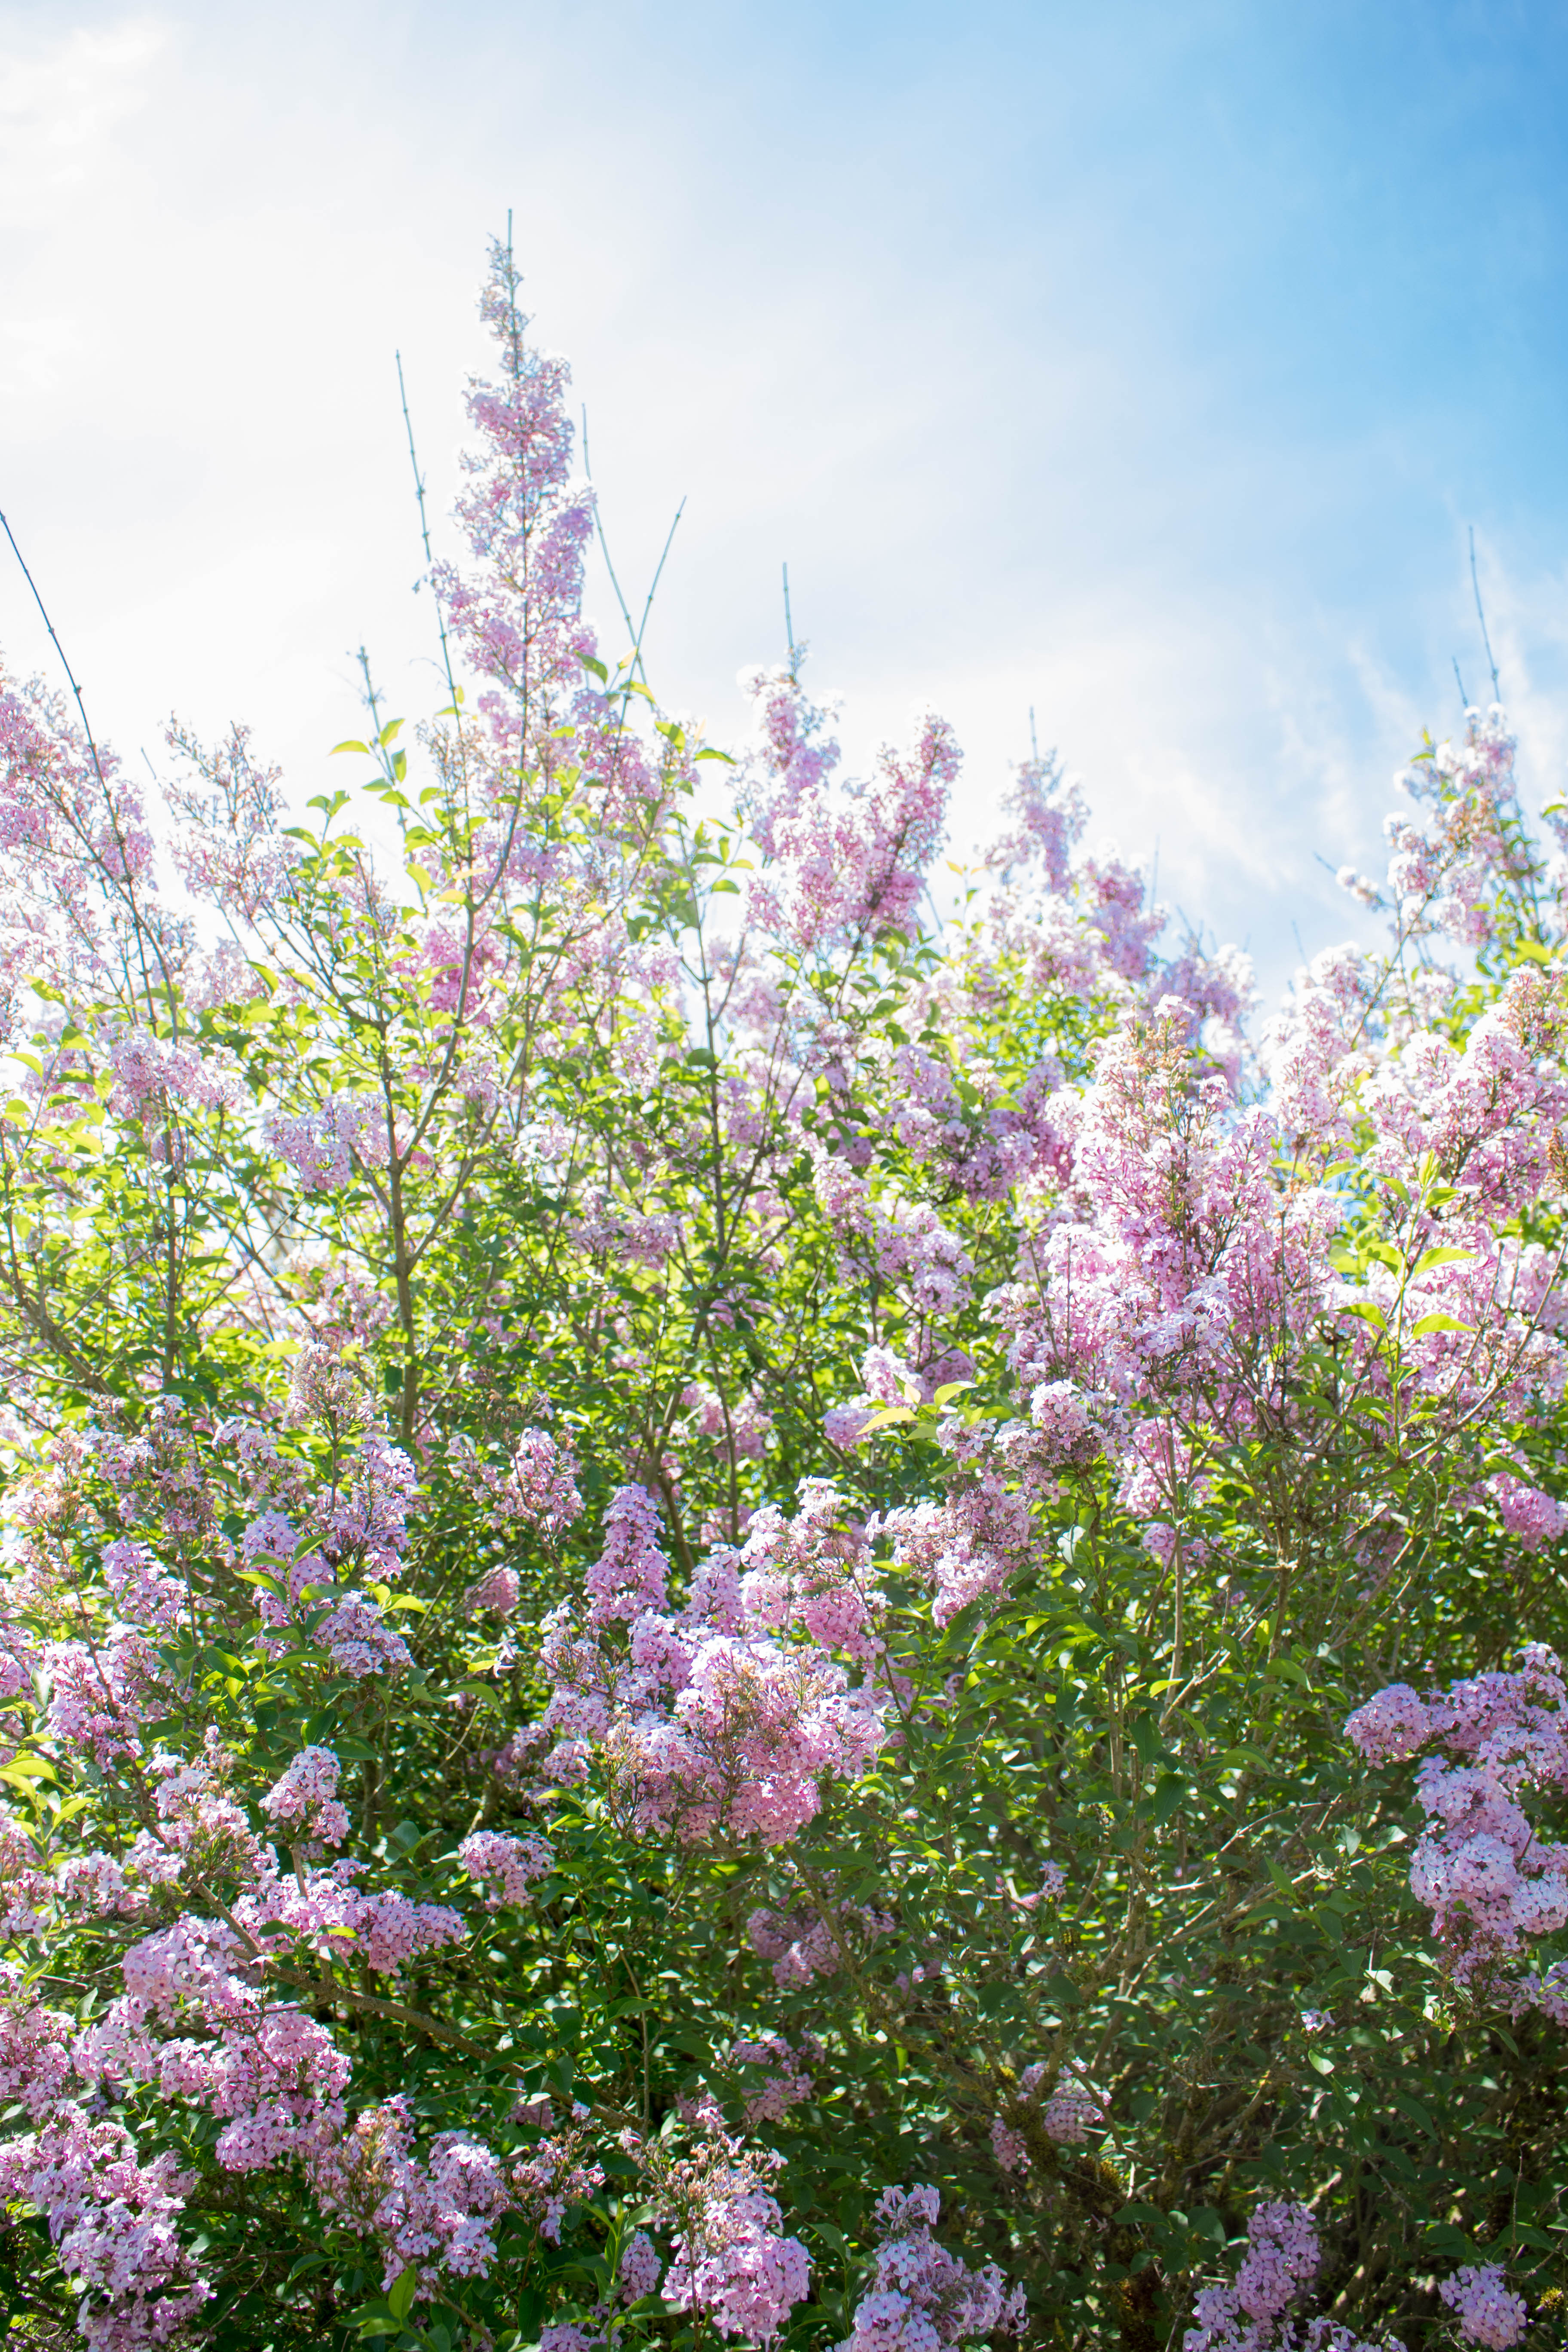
point(1144, 364)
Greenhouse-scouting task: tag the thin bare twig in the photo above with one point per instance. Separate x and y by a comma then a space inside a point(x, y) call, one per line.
point(1481, 617)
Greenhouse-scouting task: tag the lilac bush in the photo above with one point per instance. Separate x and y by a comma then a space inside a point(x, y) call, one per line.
point(732, 1610)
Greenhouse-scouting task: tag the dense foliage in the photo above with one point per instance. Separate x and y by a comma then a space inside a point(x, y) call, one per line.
point(689, 1552)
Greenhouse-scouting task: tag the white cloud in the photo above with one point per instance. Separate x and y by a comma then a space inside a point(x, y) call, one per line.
point(59, 101)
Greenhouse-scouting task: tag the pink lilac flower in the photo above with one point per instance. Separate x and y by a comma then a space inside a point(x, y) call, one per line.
point(155, 1079)
point(327, 1386)
point(924, 2298)
point(145, 1595)
point(966, 1547)
point(1531, 1516)
point(113, 2222)
point(1488, 2313)
point(35, 2066)
point(1490, 1880)
point(725, 1717)
point(640, 2268)
point(1071, 2110)
point(554, 2175)
point(844, 1425)
point(505, 1866)
point(366, 1521)
point(747, 1742)
point(358, 1640)
point(305, 1798)
point(737, 2267)
point(538, 1487)
point(1392, 1726)
point(631, 1572)
point(321, 1144)
point(498, 1590)
point(792, 758)
point(738, 1425)
point(102, 1693)
point(784, 2083)
point(393, 1930)
point(905, 1241)
point(26, 1887)
point(569, 2336)
point(438, 2214)
point(811, 1574)
point(1282, 2255)
point(843, 865)
point(1047, 813)
point(802, 1945)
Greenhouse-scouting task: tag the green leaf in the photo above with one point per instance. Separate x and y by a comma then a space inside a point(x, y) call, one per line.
point(886, 1418)
point(1429, 1258)
point(1442, 2238)
point(400, 2296)
point(1288, 1671)
point(1437, 1322)
point(376, 2319)
point(351, 745)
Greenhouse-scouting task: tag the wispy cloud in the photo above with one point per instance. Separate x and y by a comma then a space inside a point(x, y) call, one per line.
point(59, 98)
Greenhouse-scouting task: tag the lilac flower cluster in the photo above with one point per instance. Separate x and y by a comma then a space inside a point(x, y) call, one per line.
point(556, 2173)
point(505, 1866)
point(1070, 2110)
point(1482, 1868)
point(199, 2023)
point(323, 1539)
point(730, 2258)
point(726, 1717)
point(1251, 2316)
point(537, 1488)
point(924, 2298)
point(784, 2082)
point(306, 1794)
point(1443, 867)
point(1192, 1239)
point(1487, 2311)
point(113, 2221)
point(640, 2268)
point(841, 864)
point(804, 1944)
point(438, 2213)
